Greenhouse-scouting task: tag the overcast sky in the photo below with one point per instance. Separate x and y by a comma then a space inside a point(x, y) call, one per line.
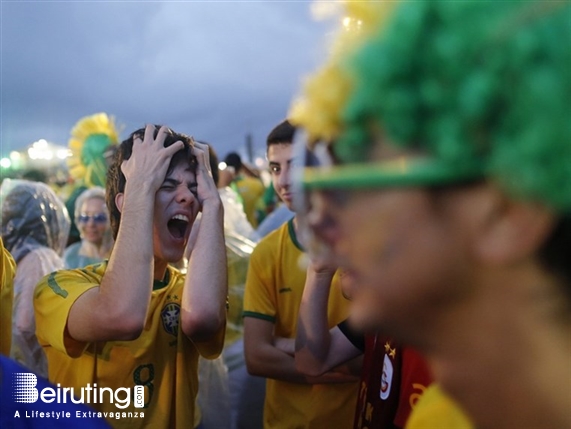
point(215, 70)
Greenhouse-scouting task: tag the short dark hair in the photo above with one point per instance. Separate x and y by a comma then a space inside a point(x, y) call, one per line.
point(35, 175)
point(116, 179)
point(282, 133)
point(233, 160)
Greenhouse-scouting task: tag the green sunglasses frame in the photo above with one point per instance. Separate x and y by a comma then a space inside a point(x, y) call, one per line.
point(399, 172)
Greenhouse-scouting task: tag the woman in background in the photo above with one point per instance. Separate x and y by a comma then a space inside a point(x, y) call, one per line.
point(92, 220)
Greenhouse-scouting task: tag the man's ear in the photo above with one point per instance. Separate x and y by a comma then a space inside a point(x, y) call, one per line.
point(119, 201)
point(511, 230)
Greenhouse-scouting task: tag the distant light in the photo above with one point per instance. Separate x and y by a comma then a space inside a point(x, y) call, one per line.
point(33, 153)
point(325, 10)
point(351, 24)
point(41, 144)
point(40, 152)
point(14, 156)
point(5, 163)
point(63, 153)
point(259, 162)
point(222, 166)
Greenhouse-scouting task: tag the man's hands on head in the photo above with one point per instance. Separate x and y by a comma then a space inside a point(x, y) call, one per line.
point(206, 188)
point(149, 161)
point(117, 309)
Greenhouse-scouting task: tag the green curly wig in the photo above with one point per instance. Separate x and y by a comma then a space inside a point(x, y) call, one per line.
point(465, 81)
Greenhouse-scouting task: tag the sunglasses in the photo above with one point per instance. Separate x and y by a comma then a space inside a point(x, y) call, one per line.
point(97, 218)
point(316, 173)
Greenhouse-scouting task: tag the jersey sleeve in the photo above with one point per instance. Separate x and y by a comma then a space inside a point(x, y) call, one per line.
point(436, 409)
point(259, 293)
point(54, 296)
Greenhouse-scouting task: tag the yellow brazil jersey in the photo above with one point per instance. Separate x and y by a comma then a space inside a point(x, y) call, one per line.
point(274, 287)
point(162, 359)
point(7, 271)
point(251, 190)
point(237, 270)
point(435, 409)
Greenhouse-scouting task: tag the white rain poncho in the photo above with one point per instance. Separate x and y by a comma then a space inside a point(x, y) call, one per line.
point(35, 228)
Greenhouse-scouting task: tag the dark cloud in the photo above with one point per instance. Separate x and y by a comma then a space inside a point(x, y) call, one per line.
point(216, 70)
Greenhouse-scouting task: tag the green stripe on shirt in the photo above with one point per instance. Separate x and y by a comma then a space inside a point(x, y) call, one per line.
point(259, 316)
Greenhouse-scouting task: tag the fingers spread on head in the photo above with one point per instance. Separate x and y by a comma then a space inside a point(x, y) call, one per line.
point(162, 135)
point(205, 151)
point(202, 157)
point(198, 152)
point(175, 147)
point(149, 133)
point(124, 165)
point(200, 145)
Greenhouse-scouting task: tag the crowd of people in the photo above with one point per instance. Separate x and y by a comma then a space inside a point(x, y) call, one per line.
point(407, 267)
point(36, 232)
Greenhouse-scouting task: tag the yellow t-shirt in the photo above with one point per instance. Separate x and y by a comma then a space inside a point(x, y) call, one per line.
point(436, 410)
point(237, 270)
point(274, 287)
point(7, 272)
point(251, 190)
point(162, 359)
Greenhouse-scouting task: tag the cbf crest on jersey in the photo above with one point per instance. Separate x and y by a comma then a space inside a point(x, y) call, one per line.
point(170, 315)
point(387, 378)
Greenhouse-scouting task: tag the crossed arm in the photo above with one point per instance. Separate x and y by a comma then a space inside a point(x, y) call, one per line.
point(318, 349)
point(270, 356)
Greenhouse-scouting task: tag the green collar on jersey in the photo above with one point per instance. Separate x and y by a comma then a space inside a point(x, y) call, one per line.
point(159, 284)
point(293, 236)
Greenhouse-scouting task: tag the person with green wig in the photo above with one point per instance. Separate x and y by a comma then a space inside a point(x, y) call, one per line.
point(439, 179)
point(93, 142)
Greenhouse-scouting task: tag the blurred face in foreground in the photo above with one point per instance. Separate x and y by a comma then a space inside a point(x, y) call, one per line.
point(404, 250)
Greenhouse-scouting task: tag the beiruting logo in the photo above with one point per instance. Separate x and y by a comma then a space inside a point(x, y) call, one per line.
point(25, 392)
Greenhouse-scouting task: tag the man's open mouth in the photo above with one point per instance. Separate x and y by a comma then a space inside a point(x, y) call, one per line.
point(178, 225)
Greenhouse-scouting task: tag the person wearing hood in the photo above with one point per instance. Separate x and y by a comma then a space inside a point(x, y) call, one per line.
point(35, 228)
